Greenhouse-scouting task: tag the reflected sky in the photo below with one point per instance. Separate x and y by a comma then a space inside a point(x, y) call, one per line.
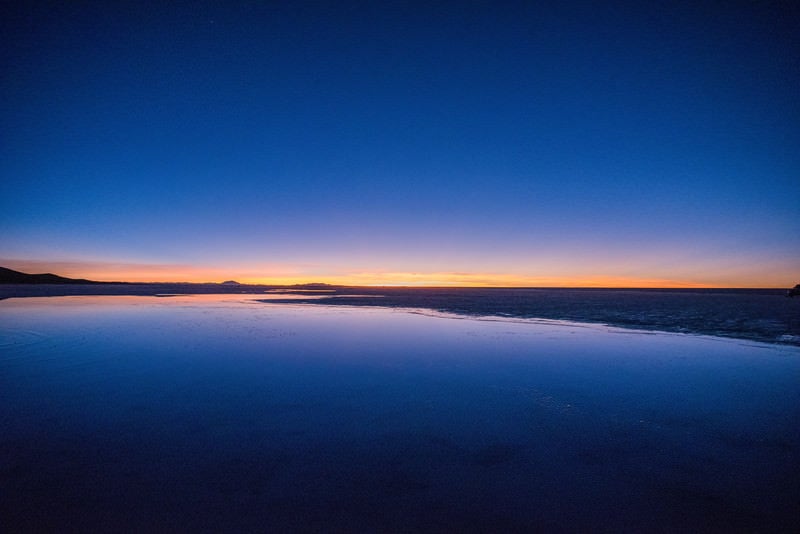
point(225, 413)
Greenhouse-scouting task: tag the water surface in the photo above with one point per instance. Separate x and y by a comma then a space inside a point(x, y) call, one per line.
point(202, 413)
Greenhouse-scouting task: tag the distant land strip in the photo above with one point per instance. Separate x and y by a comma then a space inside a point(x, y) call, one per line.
point(755, 314)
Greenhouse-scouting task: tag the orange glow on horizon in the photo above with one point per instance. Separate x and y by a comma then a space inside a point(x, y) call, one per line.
point(291, 275)
point(445, 279)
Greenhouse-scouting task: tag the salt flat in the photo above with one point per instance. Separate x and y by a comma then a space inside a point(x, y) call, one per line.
point(214, 412)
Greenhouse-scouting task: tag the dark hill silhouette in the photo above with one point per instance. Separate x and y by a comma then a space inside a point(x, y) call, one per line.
point(9, 276)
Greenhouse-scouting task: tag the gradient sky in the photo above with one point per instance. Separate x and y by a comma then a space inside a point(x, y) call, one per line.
point(466, 143)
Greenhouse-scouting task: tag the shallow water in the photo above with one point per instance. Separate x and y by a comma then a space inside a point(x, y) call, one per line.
point(215, 412)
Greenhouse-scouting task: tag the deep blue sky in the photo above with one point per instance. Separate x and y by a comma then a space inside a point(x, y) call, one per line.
point(502, 141)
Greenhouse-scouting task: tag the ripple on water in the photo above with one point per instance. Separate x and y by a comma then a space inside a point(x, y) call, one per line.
point(18, 345)
point(19, 339)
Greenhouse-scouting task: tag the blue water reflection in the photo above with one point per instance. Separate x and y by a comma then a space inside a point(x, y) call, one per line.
point(218, 413)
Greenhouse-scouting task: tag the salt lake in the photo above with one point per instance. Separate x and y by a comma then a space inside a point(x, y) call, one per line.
point(221, 412)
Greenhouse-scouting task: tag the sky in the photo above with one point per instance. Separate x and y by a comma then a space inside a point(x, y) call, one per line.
point(421, 143)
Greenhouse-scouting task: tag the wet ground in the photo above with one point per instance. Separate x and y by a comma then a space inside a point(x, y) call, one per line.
point(211, 413)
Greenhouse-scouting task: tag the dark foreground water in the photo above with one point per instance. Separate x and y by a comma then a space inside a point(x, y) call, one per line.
point(213, 413)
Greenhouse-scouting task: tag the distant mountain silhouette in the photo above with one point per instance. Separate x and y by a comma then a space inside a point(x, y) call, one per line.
point(230, 283)
point(794, 292)
point(8, 276)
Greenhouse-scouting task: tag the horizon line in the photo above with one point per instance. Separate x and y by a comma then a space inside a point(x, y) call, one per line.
point(377, 279)
point(398, 286)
